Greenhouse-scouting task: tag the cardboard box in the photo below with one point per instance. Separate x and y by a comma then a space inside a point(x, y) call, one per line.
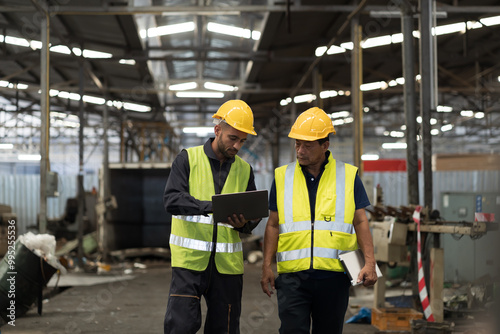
point(394, 319)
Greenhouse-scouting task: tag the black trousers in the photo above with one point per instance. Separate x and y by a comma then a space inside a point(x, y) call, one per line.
point(222, 294)
point(302, 299)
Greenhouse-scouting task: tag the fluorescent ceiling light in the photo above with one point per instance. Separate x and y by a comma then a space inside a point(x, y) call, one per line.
point(444, 109)
point(376, 41)
point(328, 93)
point(6, 146)
point(433, 121)
point(304, 98)
point(93, 99)
point(479, 115)
point(373, 85)
point(29, 157)
point(136, 107)
point(219, 87)
point(340, 114)
point(207, 95)
point(286, 101)
point(183, 86)
point(447, 127)
point(490, 21)
point(232, 31)
point(394, 146)
point(127, 61)
point(370, 157)
point(168, 29)
point(434, 132)
point(467, 113)
point(397, 134)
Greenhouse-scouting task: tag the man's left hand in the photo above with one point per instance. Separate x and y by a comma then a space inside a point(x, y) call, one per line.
point(367, 275)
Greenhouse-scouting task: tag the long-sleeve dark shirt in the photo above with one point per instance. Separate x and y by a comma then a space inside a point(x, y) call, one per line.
point(176, 197)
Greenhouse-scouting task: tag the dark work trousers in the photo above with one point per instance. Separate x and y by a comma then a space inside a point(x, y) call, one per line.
point(302, 299)
point(222, 294)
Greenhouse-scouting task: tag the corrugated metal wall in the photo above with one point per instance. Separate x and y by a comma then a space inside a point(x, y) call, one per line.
point(22, 193)
point(394, 184)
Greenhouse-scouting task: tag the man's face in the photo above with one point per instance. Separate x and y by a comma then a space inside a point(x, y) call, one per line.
point(310, 152)
point(229, 140)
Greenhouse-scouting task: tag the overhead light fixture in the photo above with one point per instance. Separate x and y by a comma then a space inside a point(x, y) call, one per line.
point(447, 127)
point(6, 146)
point(479, 115)
point(206, 95)
point(136, 107)
point(184, 86)
point(394, 146)
point(93, 99)
point(373, 85)
point(168, 29)
point(127, 61)
point(233, 31)
point(328, 93)
point(369, 157)
point(490, 21)
point(467, 113)
point(397, 134)
point(376, 41)
point(444, 109)
point(434, 132)
point(219, 87)
point(286, 101)
point(304, 98)
point(29, 157)
point(340, 114)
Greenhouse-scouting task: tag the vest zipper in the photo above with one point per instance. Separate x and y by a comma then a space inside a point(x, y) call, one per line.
point(312, 243)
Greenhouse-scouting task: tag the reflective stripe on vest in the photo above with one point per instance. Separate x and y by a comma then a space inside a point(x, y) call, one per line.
point(330, 237)
point(205, 245)
point(201, 220)
point(191, 239)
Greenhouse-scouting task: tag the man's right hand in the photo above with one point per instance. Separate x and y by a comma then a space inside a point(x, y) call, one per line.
point(267, 280)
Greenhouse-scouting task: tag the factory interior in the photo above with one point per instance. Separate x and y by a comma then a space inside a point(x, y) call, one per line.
point(98, 97)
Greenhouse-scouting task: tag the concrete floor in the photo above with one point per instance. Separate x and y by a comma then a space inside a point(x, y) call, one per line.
point(137, 305)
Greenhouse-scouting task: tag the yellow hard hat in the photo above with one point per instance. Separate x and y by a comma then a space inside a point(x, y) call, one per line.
point(312, 124)
point(237, 114)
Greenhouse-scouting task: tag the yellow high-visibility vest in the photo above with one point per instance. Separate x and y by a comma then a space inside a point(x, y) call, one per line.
point(191, 238)
point(303, 243)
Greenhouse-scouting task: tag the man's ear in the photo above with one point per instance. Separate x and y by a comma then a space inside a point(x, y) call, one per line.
point(326, 145)
point(217, 129)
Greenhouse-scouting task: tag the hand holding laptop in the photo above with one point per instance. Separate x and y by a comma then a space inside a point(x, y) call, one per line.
point(242, 207)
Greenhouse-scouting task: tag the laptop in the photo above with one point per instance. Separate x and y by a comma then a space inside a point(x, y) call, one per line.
point(353, 262)
point(252, 204)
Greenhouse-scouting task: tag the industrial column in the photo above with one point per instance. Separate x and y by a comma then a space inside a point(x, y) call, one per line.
point(45, 122)
point(427, 93)
point(409, 103)
point(356, 95)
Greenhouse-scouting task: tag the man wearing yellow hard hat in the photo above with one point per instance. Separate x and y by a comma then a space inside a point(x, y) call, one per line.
point(316, 213)
point(207, 258)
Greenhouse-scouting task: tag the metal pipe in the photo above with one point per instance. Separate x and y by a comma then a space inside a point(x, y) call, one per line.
point(356, 94)
point(409, 103)
point(427, 101)
point(45, 122)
